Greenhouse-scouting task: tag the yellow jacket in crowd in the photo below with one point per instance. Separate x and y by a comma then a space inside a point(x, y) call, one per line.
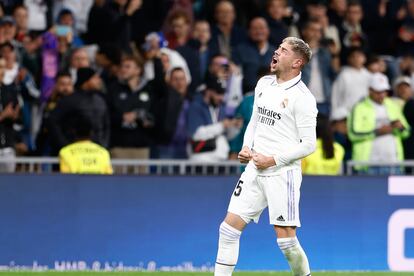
point(317, 164)
point(85, 157)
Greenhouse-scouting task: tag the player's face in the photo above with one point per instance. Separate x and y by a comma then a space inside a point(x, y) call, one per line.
point(282, 59)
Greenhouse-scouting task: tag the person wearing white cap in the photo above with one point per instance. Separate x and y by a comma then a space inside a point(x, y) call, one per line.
point(402, 90)
point(376, 128)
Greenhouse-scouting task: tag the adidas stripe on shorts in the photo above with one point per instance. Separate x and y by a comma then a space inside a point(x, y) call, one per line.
point(281, 193)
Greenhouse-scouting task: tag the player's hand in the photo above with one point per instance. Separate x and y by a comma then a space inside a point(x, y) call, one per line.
point(245, 155)
point(263, 162)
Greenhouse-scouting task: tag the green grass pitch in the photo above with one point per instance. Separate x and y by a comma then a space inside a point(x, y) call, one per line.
point(76, 273)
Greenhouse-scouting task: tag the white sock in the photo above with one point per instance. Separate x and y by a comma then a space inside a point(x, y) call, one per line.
point(228, 250)
point(295, 256)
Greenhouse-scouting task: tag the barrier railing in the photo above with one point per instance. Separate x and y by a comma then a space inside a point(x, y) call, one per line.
point(176, 167)
point(134, 166)
point(399, 166)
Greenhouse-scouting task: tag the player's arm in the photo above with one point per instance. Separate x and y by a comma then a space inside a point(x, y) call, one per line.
point(251, 126)
point(304, 148)
point(245, 155)
point(305, 113)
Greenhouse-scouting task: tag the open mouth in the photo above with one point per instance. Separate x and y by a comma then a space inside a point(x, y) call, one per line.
point(274, 60)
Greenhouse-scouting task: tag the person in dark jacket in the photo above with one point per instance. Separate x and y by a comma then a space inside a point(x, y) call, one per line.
point(63, 88)
point(9, 112)
point(131, 102)
point(87, 101)
point(255, 53)
point(172, 116)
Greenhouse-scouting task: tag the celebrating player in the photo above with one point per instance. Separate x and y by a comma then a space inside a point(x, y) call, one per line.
point(281, 131)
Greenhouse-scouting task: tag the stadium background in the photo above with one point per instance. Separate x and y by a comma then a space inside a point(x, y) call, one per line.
point(158, 222)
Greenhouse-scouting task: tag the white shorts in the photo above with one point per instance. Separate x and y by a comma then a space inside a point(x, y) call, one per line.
point(281, 193)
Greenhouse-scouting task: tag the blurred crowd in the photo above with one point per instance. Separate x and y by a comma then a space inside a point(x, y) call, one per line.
point(175, 79)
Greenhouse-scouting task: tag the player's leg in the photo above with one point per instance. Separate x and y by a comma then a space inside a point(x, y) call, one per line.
point(228, 248)
point(283, 194)
point(293, 251)
point(246, 204)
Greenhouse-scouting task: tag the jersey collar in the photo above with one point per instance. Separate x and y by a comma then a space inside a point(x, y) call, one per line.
point(288, 84)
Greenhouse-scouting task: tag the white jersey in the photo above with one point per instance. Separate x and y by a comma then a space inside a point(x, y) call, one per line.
point(279, 110)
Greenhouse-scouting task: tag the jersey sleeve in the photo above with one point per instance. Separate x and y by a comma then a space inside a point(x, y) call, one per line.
point(251, 127)
point(305, 111)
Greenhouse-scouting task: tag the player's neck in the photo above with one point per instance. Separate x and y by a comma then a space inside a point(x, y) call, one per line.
point(285, 76)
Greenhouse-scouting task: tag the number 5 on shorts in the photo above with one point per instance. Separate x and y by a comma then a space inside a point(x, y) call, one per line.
point(238, 189)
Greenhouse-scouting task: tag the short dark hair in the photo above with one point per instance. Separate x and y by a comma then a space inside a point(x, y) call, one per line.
point(82, 127)
point(7, 44)
point(63, 73)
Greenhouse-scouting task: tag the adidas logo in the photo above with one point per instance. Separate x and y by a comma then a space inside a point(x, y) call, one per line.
point(280, 218)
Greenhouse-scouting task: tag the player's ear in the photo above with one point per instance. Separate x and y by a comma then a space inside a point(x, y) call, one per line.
point(297, 63)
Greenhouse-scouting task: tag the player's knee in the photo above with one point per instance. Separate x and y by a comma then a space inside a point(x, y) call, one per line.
point(229, 233)
point(287, 243)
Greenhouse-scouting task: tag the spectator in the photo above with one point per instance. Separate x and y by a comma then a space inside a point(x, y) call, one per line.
point(111, 22)
point(62, 88)
point(31, 56)
point(226, 34)
point(155, 49)
point(230, 76)
point(403, 90)
point(276, 17)
point(38, 14)
point(328, 156)
point(86, 101)
point(80, 8)
point(380, 19)
point(24, 81)
point(255, 53)
point(202, 35)
point(172, 113)
point(171, 59)
point(9, 113)
point(207, 126)
point(108, 60)
point(405, 42)
point(351, 33)
point(84, 156)
point(65, 23)
point(197, 53)
point(180, 24)
point(56, 48)
point(317, 10)
point(376, 128)
point(78, 59)
point(10, 31)
point(376, 64)
point(21, 16)
point(319, 73)
point(336, 12)
point(350, 86)
point(131, 102)
point(313, 9)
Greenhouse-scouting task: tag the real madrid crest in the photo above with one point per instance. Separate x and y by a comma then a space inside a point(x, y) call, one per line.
point(284, 103)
